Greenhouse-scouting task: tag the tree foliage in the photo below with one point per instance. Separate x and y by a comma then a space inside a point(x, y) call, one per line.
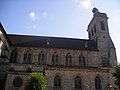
point(116, 74)
point(36, 81)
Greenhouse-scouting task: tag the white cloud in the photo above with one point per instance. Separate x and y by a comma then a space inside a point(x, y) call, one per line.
point(44, 13)
point(36, 17)
point(33, 16)
point(76, 0)
point(85, 3)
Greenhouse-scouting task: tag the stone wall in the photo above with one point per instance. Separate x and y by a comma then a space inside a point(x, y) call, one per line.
point(91, 57)
point(67, 75)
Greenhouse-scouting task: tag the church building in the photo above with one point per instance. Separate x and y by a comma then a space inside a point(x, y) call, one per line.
point(67, 63)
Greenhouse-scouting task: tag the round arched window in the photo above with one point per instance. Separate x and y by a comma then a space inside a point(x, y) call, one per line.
point(17, 82)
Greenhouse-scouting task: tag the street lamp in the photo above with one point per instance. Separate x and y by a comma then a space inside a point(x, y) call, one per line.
point(109, 86)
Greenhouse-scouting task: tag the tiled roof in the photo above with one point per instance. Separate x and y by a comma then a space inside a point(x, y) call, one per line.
point(52, 42)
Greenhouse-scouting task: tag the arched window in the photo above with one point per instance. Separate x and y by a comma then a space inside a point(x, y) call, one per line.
point(14, 55)
point(97, 83)
point(41, 58)
point(68, 60)
point(81, 60)
point(57, 82)
point(102, 25)
point(55, 59)
point(27, 58)
point(78, 83)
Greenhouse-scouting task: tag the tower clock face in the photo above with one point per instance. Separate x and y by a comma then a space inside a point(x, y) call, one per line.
point(17, 82)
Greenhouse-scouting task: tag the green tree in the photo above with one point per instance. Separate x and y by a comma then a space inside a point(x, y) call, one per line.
point(116, 74)
point(36, 81)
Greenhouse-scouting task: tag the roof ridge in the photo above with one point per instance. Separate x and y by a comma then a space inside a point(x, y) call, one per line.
point(49, 37)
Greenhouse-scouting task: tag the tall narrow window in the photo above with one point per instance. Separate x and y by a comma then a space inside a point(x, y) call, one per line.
point(55, 59)
point(102, 25)
point(78, 83)
point(105, 61)
point(41, 58)
point(92, 32)
point(57, 82)
point(97, 83)
point(68, 60)
point(27, 58)
point(89, 36)
point(81, 60)
point(94, 28)
point(13, 57)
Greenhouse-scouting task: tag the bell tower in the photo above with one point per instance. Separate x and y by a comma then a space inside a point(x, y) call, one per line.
point(99, 32)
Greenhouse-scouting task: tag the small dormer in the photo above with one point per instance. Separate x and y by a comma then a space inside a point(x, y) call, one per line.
point(86, 44)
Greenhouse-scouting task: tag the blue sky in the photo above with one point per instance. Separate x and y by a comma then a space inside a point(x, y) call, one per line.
point(58, 18)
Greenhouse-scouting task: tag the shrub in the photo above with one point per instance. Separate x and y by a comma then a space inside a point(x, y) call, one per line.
point(36, 81)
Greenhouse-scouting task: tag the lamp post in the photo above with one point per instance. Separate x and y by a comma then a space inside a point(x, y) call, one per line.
point(109, 86)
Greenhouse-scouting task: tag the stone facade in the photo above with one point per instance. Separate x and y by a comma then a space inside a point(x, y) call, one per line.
point(4, 55)
point(86, 66)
